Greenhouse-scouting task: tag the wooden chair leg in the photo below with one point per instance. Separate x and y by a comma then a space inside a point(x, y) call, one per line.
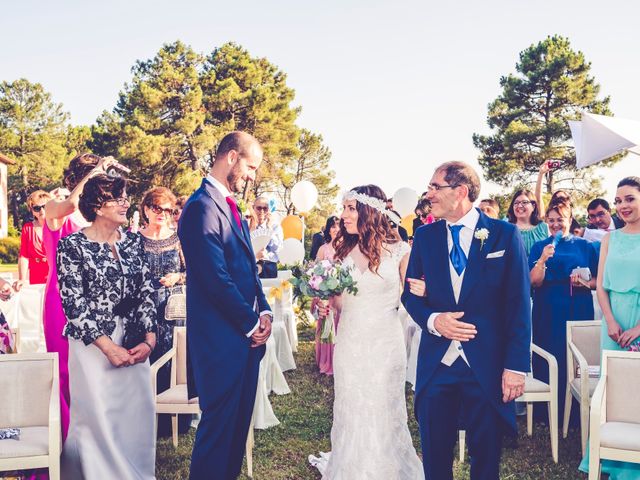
point(174, 429)
point(594, 463)
point(462, 437)
point(529, 419)
point(568, 399)
point(249, 449)
point(553, 427)
point(584, 423)
point(54, 468)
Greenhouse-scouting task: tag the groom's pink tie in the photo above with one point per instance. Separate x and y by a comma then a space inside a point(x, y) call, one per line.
point(234, 210)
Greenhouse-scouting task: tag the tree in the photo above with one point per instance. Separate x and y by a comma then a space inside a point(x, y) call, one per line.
point(529, 118)
point(251, 94)
point(33, 132)
point(157, 127)
point(312, 163)
point(179, 105)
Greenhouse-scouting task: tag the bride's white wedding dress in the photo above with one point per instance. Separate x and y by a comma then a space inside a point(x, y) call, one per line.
point(370, 437)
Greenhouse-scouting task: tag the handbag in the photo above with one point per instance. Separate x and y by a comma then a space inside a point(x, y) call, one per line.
point(176, 308)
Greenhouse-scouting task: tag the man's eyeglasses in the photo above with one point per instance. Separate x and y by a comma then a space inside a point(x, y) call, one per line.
point(522, 203)
point(120, 201)
point(37, 208)
point(261, 209)
point(436, 187)
point(157, 209)
point(594, 216)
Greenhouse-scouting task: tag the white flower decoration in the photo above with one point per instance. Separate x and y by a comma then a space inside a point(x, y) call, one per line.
point(481, 234)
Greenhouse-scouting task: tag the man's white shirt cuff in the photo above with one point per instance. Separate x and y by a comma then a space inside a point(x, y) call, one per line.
point(431, 324)
point(264, 312)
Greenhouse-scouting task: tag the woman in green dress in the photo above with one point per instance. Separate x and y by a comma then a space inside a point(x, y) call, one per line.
point(524, 212)
point(619, 295)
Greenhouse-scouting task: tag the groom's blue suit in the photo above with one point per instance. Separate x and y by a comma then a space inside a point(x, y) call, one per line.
point(223, 295)
point(494, 297)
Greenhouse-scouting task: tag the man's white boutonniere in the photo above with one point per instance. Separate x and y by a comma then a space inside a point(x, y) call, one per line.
point(481, 234)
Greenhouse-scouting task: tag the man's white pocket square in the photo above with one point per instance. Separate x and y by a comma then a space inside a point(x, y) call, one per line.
point(497, 254)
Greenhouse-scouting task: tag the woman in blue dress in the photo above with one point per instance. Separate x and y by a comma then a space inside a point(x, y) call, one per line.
point(558, 294)
point(619, 295)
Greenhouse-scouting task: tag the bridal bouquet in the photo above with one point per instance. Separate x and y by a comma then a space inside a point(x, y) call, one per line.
point(324, 279)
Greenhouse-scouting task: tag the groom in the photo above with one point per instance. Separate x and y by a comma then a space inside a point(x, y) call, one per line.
point(476, 322)
point(225, 332)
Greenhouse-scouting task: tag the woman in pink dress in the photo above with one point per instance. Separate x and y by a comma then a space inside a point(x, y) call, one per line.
point(62, 218)
point(324, 349)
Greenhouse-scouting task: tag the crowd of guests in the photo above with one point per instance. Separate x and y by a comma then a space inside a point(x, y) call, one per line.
point(108, 287)
point(105, 297)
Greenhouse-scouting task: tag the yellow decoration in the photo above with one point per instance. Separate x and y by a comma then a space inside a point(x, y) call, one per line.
point(407, 223)
point(292, 227)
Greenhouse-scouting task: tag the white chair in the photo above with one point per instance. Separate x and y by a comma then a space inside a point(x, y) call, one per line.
point(615, 418)
point(583, 352)
point(283, 348)
point(31, 402)
point(536, 391)
point(174, 400)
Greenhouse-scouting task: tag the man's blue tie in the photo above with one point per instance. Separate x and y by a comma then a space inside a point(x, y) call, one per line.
point(458, 258)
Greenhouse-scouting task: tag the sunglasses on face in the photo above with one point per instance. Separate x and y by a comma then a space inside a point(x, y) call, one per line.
point(157, 209)
point(261, 209)
point(423, 215)
point(37, 208)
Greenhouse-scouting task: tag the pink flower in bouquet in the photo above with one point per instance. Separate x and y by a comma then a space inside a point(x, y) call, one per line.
point(315, 281)
point(326, 264)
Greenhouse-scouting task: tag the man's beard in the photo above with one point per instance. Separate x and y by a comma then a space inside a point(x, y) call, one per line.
point(235, 181)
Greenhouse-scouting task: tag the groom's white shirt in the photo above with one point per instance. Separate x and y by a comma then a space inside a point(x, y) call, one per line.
point(226, 193)
point(468, 222)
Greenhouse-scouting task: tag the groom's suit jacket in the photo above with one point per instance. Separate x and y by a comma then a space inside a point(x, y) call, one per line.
point(224, 294)
point(494, 297)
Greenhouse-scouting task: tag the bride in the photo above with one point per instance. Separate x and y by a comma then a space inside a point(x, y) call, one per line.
point(370, 437)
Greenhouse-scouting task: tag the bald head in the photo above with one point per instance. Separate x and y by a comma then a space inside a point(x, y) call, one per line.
point(237, 159)
point(240, 142)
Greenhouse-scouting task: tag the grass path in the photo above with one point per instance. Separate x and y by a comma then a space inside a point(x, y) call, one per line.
point(305, 424)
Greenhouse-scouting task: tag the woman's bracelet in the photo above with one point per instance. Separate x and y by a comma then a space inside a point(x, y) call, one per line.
point(542, 266)
point(148, 345)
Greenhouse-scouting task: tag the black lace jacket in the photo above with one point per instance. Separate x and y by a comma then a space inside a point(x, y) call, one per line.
point(92, 282)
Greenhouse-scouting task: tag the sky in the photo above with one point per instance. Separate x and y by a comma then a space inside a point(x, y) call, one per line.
point(395, 88)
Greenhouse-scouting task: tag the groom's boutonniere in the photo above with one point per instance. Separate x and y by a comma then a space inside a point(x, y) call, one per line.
point(481, 234)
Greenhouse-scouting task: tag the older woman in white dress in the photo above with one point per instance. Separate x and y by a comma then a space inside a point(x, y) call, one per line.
point(105, 286)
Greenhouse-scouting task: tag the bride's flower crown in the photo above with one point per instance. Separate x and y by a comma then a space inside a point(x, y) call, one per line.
point(373, 202)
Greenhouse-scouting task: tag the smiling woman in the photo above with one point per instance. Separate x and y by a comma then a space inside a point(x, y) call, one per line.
point(106, 292)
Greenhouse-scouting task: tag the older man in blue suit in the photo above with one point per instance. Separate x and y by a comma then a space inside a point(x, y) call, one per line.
point(476, 322)
point(228, 317)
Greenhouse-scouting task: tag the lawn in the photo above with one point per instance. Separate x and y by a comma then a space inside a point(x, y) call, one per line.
point(281, 452)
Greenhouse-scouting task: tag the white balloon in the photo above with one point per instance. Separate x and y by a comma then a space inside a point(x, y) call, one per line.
point(292, 252)
point(304, 195)
point(405, 201)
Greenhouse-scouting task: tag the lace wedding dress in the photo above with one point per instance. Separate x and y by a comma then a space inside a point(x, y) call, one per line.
point(370, 437)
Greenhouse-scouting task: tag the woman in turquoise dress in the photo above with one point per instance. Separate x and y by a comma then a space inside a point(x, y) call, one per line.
point(525, 214)
point(619, 295)
point(558, 295)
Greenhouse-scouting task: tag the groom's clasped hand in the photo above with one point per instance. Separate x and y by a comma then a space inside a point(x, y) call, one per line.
point(261, 335)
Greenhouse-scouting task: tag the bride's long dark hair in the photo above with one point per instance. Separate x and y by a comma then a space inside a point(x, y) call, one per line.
point(374, 230)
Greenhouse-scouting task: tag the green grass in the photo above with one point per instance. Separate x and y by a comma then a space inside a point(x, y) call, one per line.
point(305, 424)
